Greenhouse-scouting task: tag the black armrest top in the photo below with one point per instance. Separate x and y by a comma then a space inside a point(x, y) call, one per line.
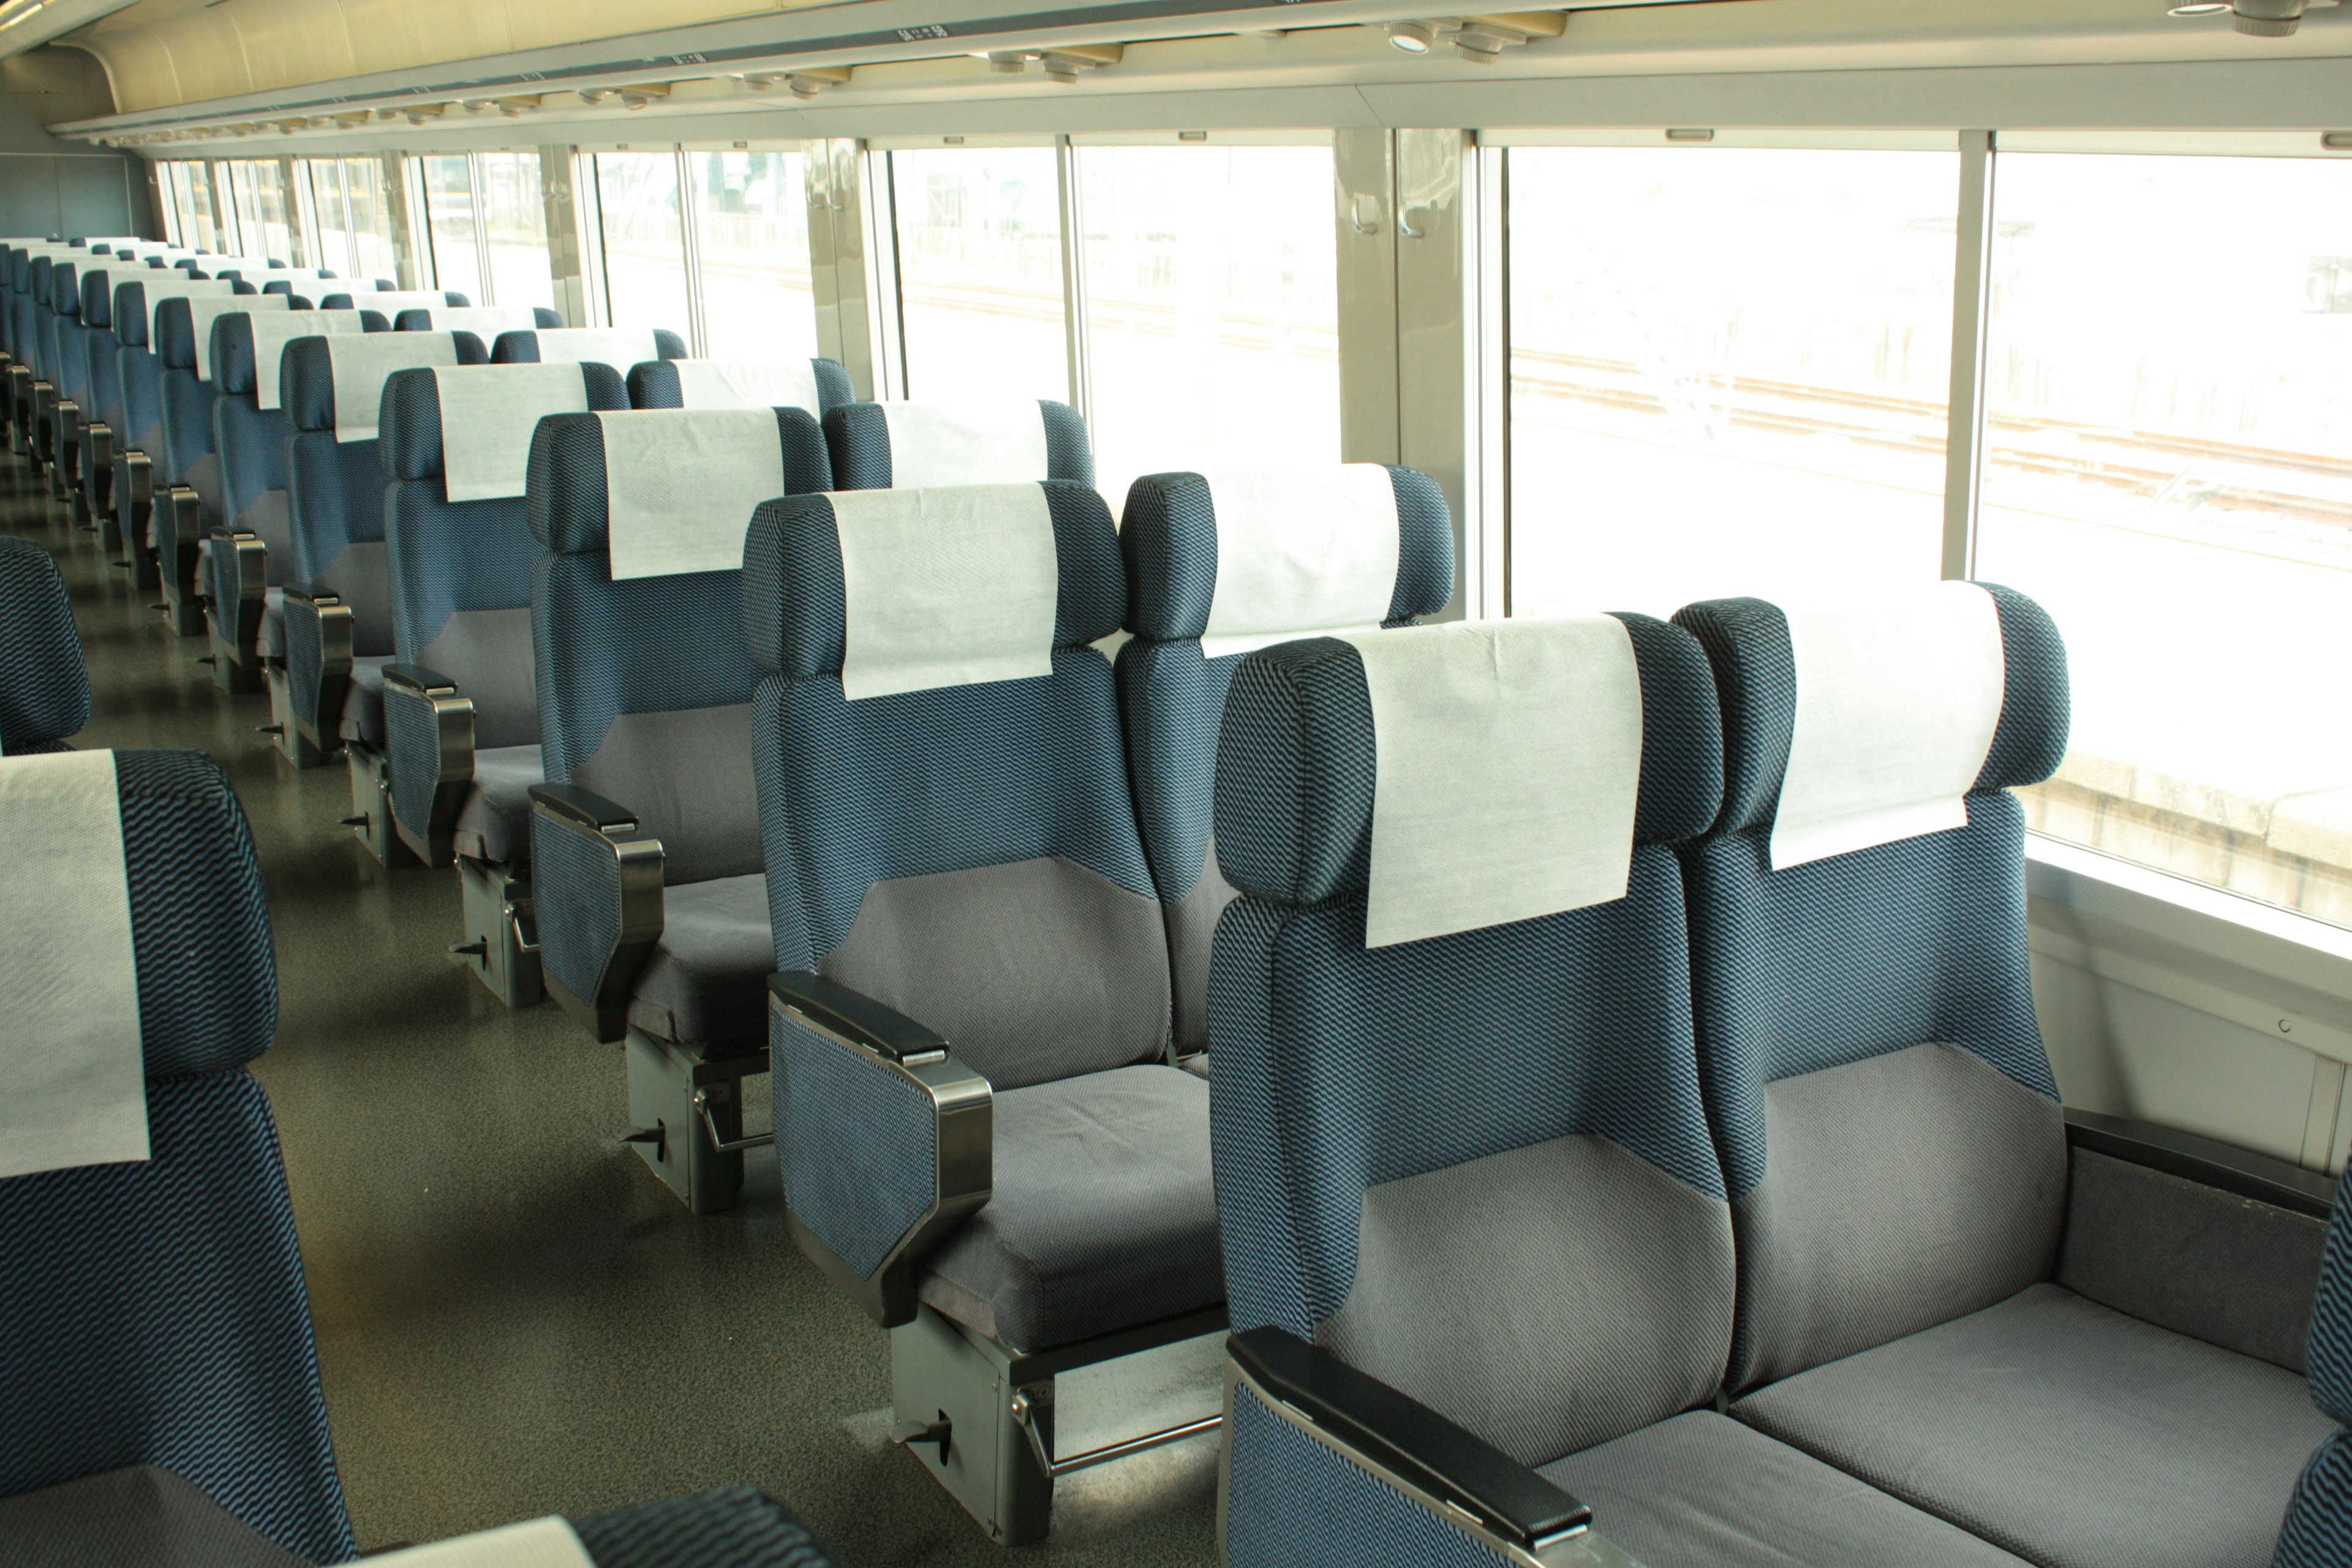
point(584, 807)
point(2196, 1159)
point(854, 1015)
point(418, 678)
point(296, 593)
point(1401, 1434)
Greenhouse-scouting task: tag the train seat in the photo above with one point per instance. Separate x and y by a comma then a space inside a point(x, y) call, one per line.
point(981, 1139)
point(2318, 1529)
point(141, 469)
point(646, 866)
point(102, 426)
point(307, 281)
point(819, 385)
point(189, 500)
point(69, 372)
point(620, 347)
point(332, 393)
point(1910, 1222)
point(487, 323)
point(912, 446)
point(44, 681)
point(391, 301)
point(462, 705)
point(1287, 554)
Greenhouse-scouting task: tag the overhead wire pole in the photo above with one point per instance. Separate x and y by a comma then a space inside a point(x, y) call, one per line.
point(1971, 308)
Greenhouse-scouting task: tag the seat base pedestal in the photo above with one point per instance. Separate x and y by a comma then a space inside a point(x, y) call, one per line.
point(500, 923)
point(670, 1134)
point(371, 817)
point(285, 735)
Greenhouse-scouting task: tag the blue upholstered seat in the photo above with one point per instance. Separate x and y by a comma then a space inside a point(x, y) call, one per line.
point(882, 445)
point(635, 346)
point(2318, 1529)
point(1892, 1145)
point(44, 682)
point(657, 385)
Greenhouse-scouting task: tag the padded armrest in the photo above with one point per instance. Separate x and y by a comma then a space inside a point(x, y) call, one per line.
point(1392, 1434)
point(416, 679)
point(597, 882)
point(855, 1016)
point(319, 663)
point(428, 743)
point(574, 805)
point(2215, 1165)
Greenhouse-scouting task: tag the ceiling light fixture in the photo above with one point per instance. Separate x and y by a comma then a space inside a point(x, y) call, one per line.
point(815, 80)
point(1008, 62)
point(2202, 8)
point(1411, 38)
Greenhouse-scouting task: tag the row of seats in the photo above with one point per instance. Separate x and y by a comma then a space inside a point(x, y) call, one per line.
point(157, 1360)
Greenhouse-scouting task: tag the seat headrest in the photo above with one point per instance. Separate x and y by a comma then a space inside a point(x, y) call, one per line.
point(619, 347)
point(485, 322)
point(2328, 1349)
point(204, 311)
point(65, 289)
point(697, 468)
point(249, 347)
point(1877, 719)
point(1245, 561)
point(815, 385)
point(391, 301)
point(916, 445)
point(306, 280)
point(98, 296)
point(336, 383)
point(1298, 759)
point(410, 436)
point(798, 589)
point(44, 681)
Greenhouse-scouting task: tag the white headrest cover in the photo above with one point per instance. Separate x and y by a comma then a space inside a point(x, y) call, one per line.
point(950, 586)
point(1898, 700)
point(999, 443)
point(391, 301)
point(160, 286)
point(361, 364)
point(680, 485)
point(73, 1068)
point(273, 332)
point(207, 309)
point(485, 322)
point(598, 345)
point(727, 383)
point(548, 1542)
point(1509, 756)
point(487, 414)
point(1302, 553)
point(302, 277)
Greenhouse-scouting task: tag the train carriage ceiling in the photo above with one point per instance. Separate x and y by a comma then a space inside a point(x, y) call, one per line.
point(480, 72)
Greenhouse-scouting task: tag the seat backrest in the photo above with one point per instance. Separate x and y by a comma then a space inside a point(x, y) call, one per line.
point(2318, 1529)
point(155, 1312)
point(1455, 1113)
point(619, 347)
point(460, 570)
point(913, 445)
point(71, 367)
point(335, 481)
point(249, 420)
point(187, 398)
point(943, 789)
point(485, 322)
point(645, 687)
point(44, 320)
point(391, 301)
point(1889, 1126)
point(816, 385)
point(102, 349)
point(44, 681)
point(1217, 567)
point(138, 300)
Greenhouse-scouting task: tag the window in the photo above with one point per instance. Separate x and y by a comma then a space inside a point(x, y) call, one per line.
point(373, 254)
point(265, 216)
point(2167, 471)
point(751, 225)
point(979, 272)
point(450, 220)
point(1729, 372)
point(514, 230)
point(645, 243)
point(332, 213)
point(1211, 308)
point(193, 194)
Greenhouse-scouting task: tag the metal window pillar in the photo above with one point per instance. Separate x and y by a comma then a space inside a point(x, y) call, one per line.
point(566, 251)
point(299, 243)
point(478, 193)
point(853, 266)
point(1971, 313)
point(405, 210)
point(1074, 282)
point(689, 229)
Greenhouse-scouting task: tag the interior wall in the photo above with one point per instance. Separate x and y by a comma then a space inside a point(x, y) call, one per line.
point(63, 189)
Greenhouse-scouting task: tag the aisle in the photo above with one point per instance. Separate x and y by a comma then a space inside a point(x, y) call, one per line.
point(513, 1317)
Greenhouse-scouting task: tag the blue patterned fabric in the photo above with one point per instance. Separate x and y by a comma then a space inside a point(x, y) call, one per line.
point(522, 348)
point(2318, 1529)
point(859, 438)
point(101, 348)
point(44, 681)
point(306, 380)
point(2328, 1351)
point(732, 1527)
point(335, 498)
point(252, 444)
point(1292, 1502)
point(305, 668)
point(859, 1143)
point(655, 386)
point(71, 367)
point(409, 430)
point(412, 738)
point(578, 930)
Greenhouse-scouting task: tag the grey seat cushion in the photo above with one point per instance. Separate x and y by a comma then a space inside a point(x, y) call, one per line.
point(1703, 1491)
point(142, 1517)
point(1104, 1215)
point(708, 978)
point(495, 823)
point(364, 700)
point(273, 623)
point(2067, 1432)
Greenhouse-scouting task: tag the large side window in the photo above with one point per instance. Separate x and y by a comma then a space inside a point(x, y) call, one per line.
point(514, 229)
point(644, 240)
point(373, 252)
point(2168, 469)
point(198, 222)
point(451, 220)
point(1729, 372)
point(1211, 308)
point(332, 213)
point(979, 236)
point(751, 227)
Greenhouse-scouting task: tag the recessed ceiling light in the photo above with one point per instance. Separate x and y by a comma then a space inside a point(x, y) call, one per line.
point(1413, 37)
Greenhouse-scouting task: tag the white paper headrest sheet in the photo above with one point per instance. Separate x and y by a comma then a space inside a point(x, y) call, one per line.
point(306, 281)
point(1509, 757)
point(361, 364)
point(966, 442)
point(485, 322)
point(73, 1071)
point(548, 1542)
point(1896, 705)
point(948, 586)
point(598, 345)
point(271, 333)
point(1301, 553)
point(729, 384)
point(681, 484)
point(390, 301)
point(205, 309)
point(158, 287)
point(487, 414)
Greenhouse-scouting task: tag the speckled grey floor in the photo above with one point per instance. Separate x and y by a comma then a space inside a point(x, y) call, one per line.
point(514, 1318)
